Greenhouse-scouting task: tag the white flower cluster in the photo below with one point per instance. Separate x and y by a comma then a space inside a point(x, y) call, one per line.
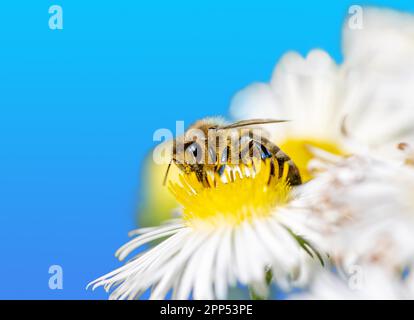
point(348, 231)
point(359, 206)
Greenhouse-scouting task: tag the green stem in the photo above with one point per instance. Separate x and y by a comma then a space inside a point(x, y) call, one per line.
point(254, 295)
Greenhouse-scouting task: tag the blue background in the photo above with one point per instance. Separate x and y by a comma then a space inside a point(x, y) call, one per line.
point(78, 108)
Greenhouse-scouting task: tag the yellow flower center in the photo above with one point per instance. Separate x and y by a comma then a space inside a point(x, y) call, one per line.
point(299, 150)
point(243, 192)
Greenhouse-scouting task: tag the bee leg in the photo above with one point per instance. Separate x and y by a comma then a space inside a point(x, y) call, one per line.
point(223, 160)
point(215, 176)
point(220, 169)
point(206, 183)
point(272, 170)
point(201, 177)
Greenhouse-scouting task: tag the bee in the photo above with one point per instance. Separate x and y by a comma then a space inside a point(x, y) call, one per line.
point(211, 145)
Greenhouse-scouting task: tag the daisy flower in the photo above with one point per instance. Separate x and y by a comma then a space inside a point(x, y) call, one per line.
point(229, 234)
point(363, 207)
point(366, 101)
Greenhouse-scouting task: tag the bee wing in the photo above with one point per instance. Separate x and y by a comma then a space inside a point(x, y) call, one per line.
point(245, 123)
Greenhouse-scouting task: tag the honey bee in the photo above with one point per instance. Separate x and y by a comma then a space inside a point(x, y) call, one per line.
point(210, 145)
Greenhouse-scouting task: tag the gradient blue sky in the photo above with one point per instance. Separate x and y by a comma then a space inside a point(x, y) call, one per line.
point(78, 108)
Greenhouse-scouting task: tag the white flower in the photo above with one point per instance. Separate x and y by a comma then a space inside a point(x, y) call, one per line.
point(367, 100)
point(407, 155)
point(364, 209)
point(372, 283)
point(232, 233)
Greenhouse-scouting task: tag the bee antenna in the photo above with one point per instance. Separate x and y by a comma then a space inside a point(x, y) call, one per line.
point(166, 173)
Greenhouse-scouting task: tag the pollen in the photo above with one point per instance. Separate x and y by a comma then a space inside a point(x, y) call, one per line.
point(242, 192)
point(300, 152)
